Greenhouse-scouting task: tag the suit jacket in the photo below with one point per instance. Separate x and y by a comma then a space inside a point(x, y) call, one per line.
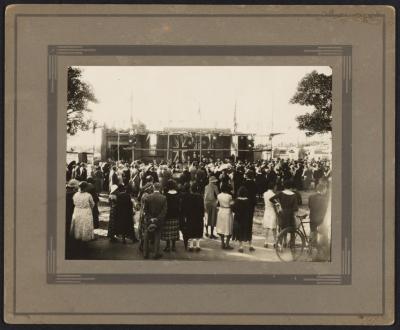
point(155, 206)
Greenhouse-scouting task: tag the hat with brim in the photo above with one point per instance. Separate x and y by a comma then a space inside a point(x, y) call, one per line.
point(213, 179)
point(114, 188)
point(73, 183)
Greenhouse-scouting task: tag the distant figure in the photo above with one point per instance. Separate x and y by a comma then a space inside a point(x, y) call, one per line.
point(98, 179)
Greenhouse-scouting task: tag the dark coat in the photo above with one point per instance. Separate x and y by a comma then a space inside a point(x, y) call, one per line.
point(242, 221)
point(81, 174)
point(193, 213)
point(91, 189)
point(271, 178)
point(114, 178)
point(289, 207)
point(252, 191)
point(261, 183)
point(124, 214)
point(155, 206)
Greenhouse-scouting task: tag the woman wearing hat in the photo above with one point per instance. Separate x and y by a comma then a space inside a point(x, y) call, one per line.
point(210, 203)
point(82, 218)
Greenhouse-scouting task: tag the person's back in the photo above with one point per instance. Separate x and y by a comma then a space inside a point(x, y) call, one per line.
point(155, 206)
point(124, 202)
point(211, 192)
point(173, 206)
point(318, 204)
point(251, 187)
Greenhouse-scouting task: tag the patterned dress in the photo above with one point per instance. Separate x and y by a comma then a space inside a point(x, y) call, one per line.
point(170, 229)
point(82, 218)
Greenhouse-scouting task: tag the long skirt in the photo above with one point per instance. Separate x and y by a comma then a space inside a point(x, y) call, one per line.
point(194, 227)
point(211, 210)
point(224, 221)
point(170, 230)
point(82, 224)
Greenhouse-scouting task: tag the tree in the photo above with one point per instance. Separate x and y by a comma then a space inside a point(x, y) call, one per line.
point(315, 89)
point(79, 95)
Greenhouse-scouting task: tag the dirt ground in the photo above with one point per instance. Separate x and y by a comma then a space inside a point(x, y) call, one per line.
point(102, 249)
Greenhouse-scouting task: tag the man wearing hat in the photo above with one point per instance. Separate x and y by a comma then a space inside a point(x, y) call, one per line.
point(210, 203)
point(155, 210)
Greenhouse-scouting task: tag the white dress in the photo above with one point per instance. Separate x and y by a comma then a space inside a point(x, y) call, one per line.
point(269, 219)
point(82, 218)
point(225, 217)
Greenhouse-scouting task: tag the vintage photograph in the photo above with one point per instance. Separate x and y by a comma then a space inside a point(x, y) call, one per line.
point(211, 163)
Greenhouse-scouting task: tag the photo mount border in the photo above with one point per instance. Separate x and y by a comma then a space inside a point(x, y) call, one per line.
point(343, 51)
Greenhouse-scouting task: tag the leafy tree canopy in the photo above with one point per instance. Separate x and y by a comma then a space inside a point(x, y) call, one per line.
point(79, 95)
point(315, 90)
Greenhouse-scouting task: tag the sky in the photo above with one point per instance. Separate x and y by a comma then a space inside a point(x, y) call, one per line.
point(200, 96)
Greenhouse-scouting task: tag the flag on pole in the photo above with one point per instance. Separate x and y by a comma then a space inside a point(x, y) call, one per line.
point(234, 120)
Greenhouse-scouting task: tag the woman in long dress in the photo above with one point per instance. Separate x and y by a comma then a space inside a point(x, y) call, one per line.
point(82, 218)
point(242, 224)
point(225, 218)
point(125, 213)
point(112, 223)
point(170, 230)
point(269, 220)
point(193, 211)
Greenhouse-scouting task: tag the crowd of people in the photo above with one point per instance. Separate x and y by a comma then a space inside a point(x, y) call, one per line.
point(202, 198)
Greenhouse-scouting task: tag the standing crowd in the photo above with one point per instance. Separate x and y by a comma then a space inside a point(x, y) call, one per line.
point(204, 198)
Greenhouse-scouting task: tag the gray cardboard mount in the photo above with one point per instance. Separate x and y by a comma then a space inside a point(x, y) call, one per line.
point(356, 287)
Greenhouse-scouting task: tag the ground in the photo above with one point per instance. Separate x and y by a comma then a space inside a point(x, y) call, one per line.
point(102, 249)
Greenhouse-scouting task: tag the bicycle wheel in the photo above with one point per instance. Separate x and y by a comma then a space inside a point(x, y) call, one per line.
point(290, 244)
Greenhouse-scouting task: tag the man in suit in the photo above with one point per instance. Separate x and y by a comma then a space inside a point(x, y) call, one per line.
point(155, 209)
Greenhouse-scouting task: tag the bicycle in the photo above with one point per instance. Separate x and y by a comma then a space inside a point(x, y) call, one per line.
point(293, 249)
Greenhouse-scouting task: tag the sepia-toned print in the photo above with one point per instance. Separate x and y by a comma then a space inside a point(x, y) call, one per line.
point(199, 163)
